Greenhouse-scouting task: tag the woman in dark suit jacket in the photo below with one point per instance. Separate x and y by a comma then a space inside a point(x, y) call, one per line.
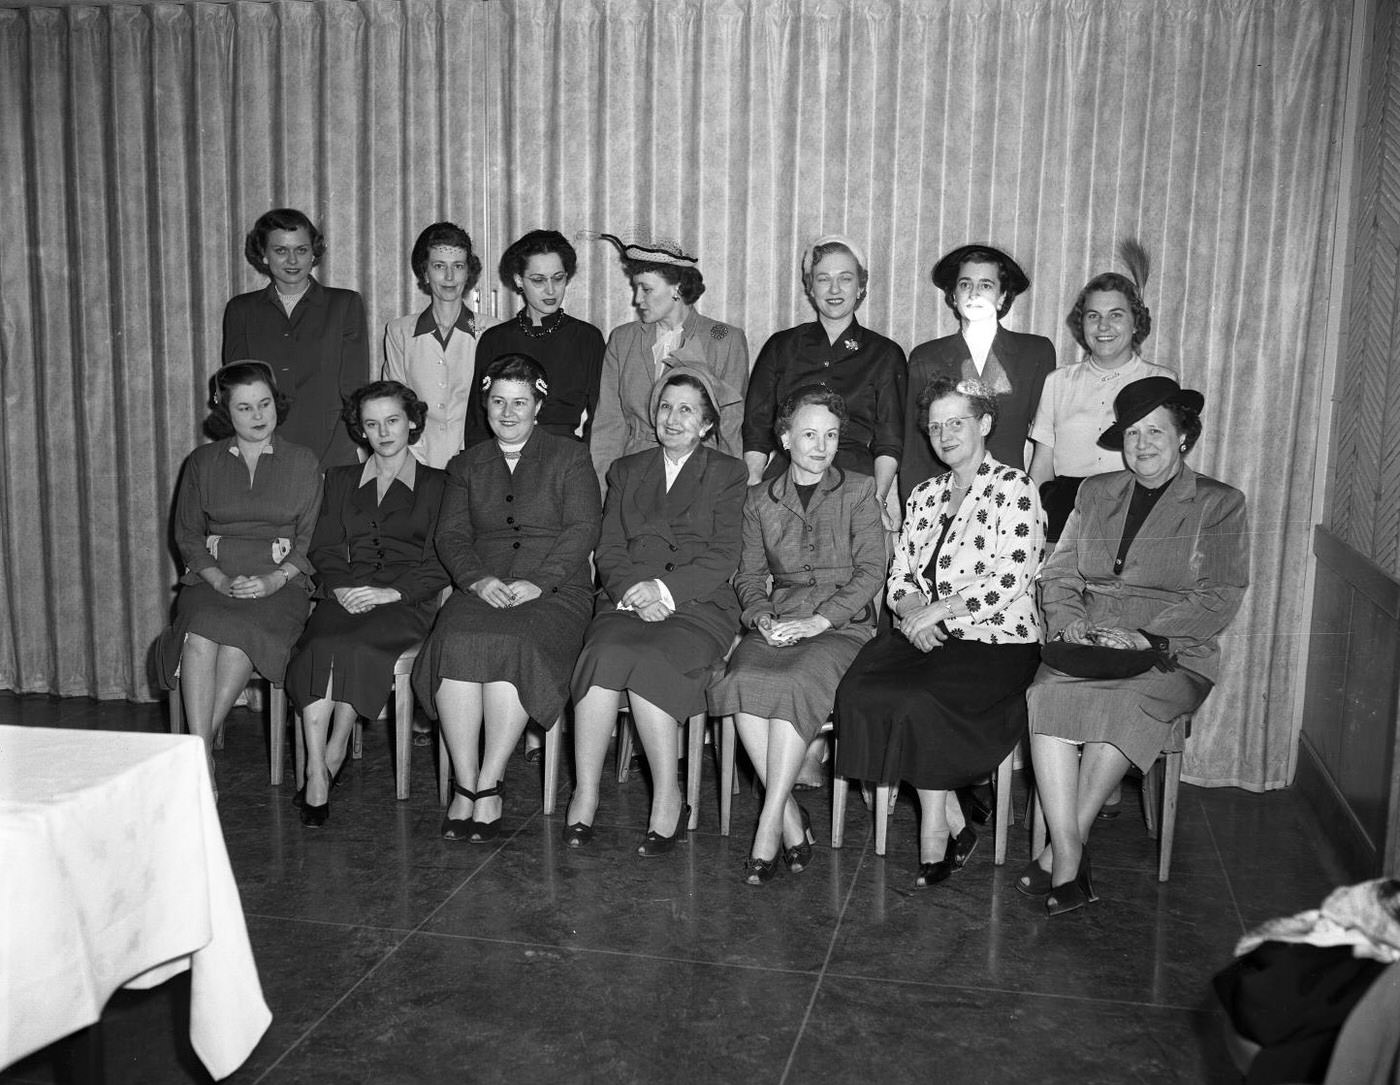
point(666, 613)
point(315, 338)
point(815, 531)
point(1152, 558)
point(979, 283)
point(378, 573)
point(518, 519)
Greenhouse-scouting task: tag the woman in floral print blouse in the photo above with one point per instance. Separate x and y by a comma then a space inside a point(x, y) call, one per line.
point(939, 701)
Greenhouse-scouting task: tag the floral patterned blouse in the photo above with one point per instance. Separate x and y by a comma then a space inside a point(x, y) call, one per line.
point(989, 556)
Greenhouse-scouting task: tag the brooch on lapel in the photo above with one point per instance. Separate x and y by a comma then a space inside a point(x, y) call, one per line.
point(850, 344)
point(719, 331)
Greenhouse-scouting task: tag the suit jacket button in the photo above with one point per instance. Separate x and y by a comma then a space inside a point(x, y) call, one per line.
point(515, 546)
point(510, 497)
point(674, 548)
point(510, 519)
point(670, 567)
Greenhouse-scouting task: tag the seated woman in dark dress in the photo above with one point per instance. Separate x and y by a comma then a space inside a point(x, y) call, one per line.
point(666, 612)
point(378, 572)
point(938, 702)
point(243, 519)
point(518, 520)
point(1154, 557)
point(815, 532)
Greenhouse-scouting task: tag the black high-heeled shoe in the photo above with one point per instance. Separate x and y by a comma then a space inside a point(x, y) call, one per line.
point(313, 817)
point(483, 832)
point(964, 844)
point(960, 849)
point(299, 796)
point(1073, 894)
point(458, 828)
point(798, 857)
point(758, 871)
point(656, 844)
point(1034, 880)
point(578, 834)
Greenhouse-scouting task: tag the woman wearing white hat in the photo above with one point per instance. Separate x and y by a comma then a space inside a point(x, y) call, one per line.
point(866, 369)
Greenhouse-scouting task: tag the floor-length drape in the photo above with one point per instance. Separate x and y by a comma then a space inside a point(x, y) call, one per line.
point(140, 141)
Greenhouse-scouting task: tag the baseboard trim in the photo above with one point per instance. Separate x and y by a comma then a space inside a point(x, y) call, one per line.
point(1334, 816)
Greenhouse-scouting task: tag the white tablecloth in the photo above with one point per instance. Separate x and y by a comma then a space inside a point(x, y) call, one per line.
point(113, 873)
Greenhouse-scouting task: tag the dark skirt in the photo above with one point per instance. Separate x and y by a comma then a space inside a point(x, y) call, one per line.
point(936, 720)
point(796, 683)
point(263, 629)
point(532, 646)
point(355, 653)
point(670, 663)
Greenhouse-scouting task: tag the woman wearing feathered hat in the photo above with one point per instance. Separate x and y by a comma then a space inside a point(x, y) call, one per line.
point(1150, 570)
point(668, 332)
point(979, 284)
point(1109, 321)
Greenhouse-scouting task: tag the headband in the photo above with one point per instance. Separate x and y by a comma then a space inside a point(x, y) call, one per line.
point(539, 384)
point(268, 375)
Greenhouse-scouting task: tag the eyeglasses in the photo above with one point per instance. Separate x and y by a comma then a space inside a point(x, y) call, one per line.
point(952, 426)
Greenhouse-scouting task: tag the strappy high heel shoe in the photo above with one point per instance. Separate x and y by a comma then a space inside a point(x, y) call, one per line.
point(483, 832)
point(798, 857)
point(1034, 880)
point(656, 844)
point(459, 828)
point(758, 871)
point(1073, 894)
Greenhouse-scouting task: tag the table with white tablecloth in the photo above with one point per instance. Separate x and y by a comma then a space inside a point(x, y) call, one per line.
point(113, 873)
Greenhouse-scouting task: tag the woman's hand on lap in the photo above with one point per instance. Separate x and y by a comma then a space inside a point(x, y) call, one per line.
point(796, 629)
point(522, 591)
point(641, 594)
point(361, 599)
point(255, 587)
point(492, 591)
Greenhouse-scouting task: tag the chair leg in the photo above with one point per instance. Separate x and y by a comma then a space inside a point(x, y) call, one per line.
point(1170, 788)
point(277, 721)
point(882, 816)
point(444, 767)
point(693, 766)
point(176, 707)
point(553, 738)
point(357, 739)
point(1038, 829)
point(839, 787)
point(727, 742)
point(1003, 801)
point(403, 732)
point(624, 746)
point(1152, 796)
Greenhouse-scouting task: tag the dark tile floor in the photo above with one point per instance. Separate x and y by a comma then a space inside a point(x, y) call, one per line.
point(389, 955)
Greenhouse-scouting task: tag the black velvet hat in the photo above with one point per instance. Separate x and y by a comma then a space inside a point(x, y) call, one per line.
point(1139, 399)
point(945, 272)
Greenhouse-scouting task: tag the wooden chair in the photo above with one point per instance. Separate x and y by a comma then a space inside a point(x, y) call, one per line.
point(277, 725)
point(1160, 785)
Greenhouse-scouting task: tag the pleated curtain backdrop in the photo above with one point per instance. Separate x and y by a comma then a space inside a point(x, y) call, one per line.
point(141, 141)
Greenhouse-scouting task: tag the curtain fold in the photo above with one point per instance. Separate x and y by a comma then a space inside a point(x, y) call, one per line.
point(142, 140)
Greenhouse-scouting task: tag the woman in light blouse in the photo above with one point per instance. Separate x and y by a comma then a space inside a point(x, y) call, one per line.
point(434, 352)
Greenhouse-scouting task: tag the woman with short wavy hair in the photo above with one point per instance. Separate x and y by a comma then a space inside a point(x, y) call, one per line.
point(377, 572)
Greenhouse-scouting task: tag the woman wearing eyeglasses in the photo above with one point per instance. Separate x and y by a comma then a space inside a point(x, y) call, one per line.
point(939, 701)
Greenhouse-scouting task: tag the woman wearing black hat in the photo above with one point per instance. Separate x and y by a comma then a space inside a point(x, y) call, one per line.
point(1152, 562)
point(979, 283)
